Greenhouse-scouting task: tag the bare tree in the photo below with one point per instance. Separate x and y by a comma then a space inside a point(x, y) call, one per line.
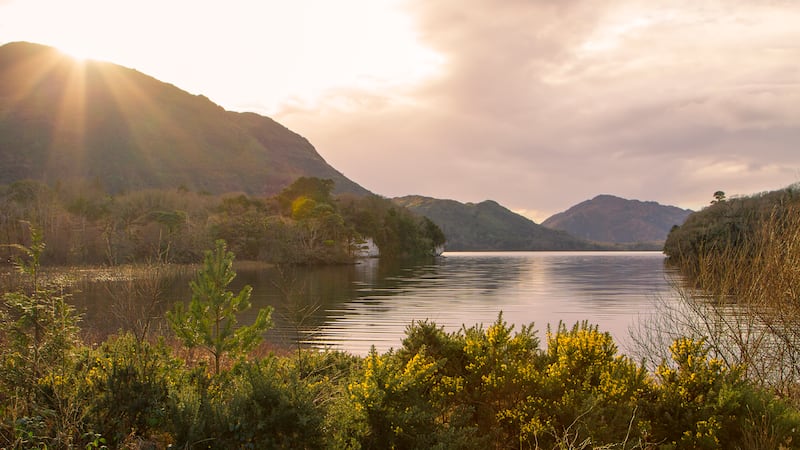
point(744, 301)
point(138, 302)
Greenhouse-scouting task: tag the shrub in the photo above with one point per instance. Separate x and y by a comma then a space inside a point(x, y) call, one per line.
point(255, 405)
point(700, 403)
point(590, 392)
point(127, 384)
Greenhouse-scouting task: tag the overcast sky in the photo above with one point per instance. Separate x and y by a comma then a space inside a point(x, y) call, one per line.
point(537, 104)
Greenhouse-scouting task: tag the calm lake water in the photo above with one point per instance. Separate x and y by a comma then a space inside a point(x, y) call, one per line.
point(371, 303)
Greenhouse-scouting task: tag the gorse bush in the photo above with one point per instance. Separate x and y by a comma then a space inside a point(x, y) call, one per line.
point(126, 385)
point(495, 388)
point(260, 405)
point(699, 403)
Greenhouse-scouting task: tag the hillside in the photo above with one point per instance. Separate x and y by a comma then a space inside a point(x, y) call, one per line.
point(744, 226)
point(607, 218)
point(489, 226)
point(62, 119)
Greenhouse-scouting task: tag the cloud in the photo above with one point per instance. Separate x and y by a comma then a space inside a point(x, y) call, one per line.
point(540, 105)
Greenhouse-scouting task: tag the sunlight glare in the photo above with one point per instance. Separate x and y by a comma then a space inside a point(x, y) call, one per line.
point(78, 52)
point(241, 54)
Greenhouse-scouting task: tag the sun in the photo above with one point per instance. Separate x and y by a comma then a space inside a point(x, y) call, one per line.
point(76, 52)
point(78, 48)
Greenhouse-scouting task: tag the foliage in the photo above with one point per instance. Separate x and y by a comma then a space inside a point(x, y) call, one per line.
point(38, 332)
point(593, 391)
point(397, 231)
point(700, 403)
point(126, 385)
point(741, 258)
point(260, 404)
point(239, 221)
point(304, 189)
point(210, 320)
point(472, 389)
point(494, 387)
point(727, 223)
point(304, 224)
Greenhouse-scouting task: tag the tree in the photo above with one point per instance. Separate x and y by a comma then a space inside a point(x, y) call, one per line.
point(719, 197)
point(316, 189)
point(38, 333)
point(210, 321)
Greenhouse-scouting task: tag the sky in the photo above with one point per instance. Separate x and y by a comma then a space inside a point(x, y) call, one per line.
point(536, 104)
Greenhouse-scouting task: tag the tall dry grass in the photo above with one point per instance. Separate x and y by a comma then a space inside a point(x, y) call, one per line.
point(743, 299)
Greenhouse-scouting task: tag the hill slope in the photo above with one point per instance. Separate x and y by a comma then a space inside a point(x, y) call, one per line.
point(607, 218)
point(741, 227)
point(62, 119)
point(489, 226)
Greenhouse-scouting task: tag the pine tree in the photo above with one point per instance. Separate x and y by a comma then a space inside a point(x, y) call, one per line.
point(210, 320)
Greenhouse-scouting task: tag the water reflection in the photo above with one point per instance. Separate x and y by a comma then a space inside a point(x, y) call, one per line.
point(371, 303)
point(610, 289)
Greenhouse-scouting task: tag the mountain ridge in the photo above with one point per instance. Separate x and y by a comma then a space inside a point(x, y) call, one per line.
point(608, 218)
point(61, 118)
point(488, 226)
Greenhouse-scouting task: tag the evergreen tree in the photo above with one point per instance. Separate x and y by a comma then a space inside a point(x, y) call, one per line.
point(210, 320)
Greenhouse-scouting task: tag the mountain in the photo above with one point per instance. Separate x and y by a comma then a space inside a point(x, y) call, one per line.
point(61, 119)
point(607, 218)
point(489, 226)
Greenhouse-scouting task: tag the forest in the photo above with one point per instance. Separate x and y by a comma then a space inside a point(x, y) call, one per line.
point(303, 224)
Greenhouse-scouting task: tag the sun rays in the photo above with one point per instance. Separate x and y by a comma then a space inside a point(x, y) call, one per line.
point(46, 76)
point(88, 95)
point(68, 145)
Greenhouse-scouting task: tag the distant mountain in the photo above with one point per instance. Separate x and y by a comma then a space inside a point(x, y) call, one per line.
point(489, 226)
point(62, 119)
point(607, 218)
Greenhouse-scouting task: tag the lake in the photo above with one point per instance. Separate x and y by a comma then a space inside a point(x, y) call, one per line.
point(357, 306)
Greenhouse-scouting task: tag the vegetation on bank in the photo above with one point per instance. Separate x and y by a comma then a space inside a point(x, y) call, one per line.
point(741, 257)
point(479, 387)
point(741, 223)
point(304, 224)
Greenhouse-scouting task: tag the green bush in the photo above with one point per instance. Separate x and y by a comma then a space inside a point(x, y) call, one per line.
point(126, 387)
point(255, 405)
